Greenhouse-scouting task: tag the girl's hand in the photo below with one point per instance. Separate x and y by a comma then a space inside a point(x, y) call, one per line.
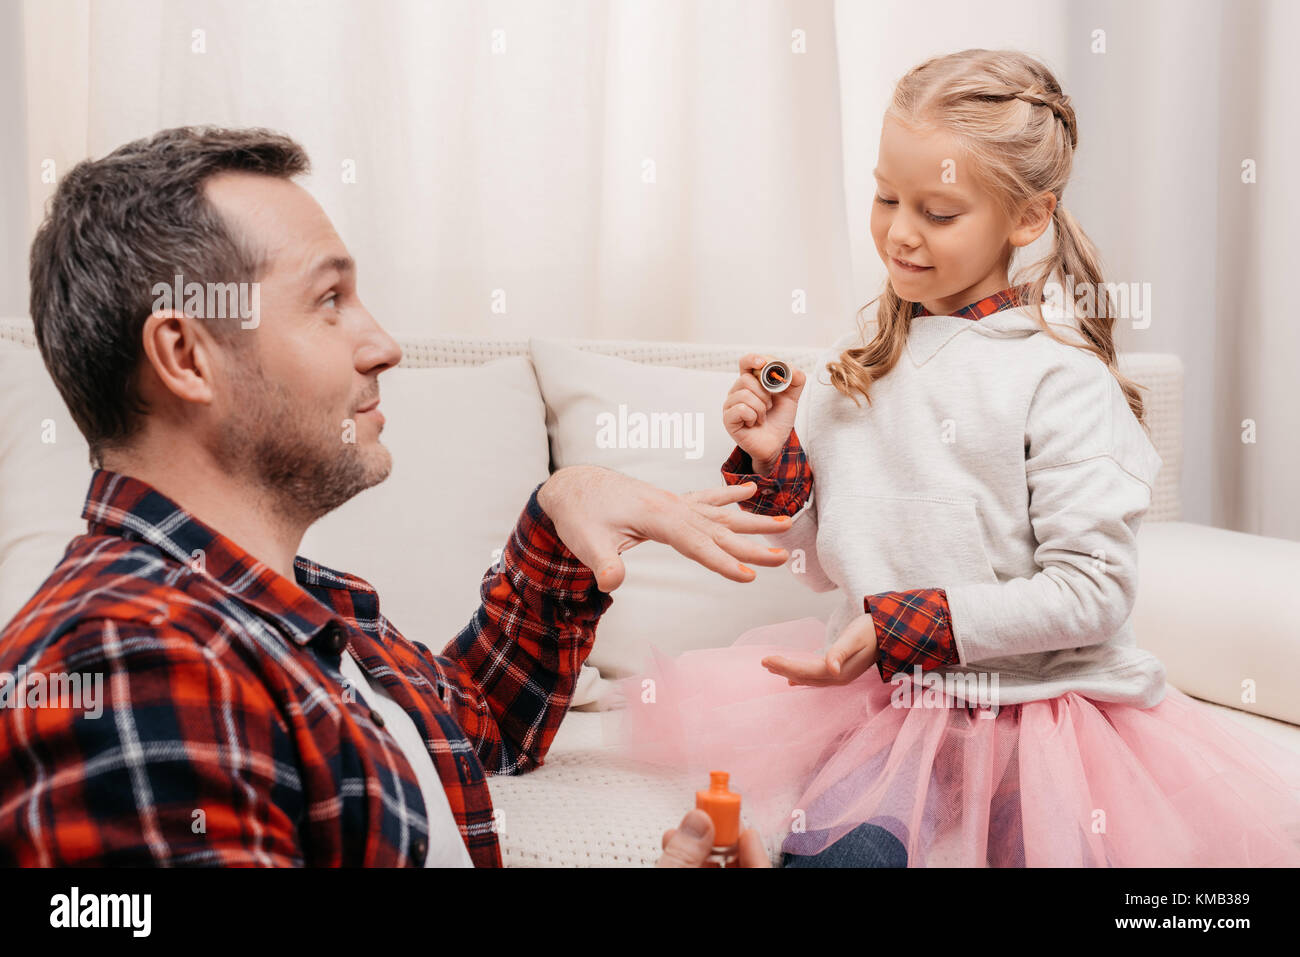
point(759, 422)
point(847, 659)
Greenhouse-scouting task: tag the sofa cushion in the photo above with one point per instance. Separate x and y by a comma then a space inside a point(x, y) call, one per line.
point(1241, 650)
point(44, 474)
point(666, 599)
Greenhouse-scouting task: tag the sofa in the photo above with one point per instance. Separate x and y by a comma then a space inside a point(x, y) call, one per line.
point(474, 424)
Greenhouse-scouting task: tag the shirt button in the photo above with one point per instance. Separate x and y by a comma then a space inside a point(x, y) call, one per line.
point(337, 640)
point(419, 848)
point(377, 718)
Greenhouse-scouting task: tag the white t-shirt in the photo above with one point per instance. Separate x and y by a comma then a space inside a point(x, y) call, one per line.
point(446, 849)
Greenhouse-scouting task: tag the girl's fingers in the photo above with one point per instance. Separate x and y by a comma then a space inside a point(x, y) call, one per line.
point(749, 400)
point(857, 635)
point(750, 384)
point(800, 670)
point(722, 494)
point(739, 416)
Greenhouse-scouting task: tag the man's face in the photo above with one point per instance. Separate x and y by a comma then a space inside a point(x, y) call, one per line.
point(295, 396)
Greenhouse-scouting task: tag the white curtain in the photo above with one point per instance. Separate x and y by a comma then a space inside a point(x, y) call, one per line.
point(701, 170)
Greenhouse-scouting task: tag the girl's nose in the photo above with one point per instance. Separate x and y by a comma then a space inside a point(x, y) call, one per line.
point(903, 231)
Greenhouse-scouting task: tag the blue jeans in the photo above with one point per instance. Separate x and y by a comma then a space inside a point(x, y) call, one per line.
point(867, 845)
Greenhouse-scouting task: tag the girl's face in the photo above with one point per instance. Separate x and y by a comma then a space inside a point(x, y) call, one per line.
point(941, 235)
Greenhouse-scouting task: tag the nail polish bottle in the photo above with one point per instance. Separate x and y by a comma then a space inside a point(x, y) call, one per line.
point(723, 807)
point(775, 376)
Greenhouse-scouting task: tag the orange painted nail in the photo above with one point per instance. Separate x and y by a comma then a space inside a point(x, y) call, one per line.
point(776, 551)
point(746, 568)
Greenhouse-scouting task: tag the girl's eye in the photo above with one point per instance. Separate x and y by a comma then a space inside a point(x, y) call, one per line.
point(933, 218)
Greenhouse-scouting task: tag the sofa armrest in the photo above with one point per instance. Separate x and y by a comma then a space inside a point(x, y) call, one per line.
point(1219, 609)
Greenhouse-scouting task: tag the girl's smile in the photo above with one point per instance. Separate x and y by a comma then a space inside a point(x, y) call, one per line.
point(908, 267)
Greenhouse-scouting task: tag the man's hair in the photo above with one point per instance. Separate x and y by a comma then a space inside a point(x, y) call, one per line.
point(116, 227)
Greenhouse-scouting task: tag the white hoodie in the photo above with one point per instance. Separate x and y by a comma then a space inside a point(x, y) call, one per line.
point(1005, 468)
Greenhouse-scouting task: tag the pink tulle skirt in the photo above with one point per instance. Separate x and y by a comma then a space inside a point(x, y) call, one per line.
point(1067, 781)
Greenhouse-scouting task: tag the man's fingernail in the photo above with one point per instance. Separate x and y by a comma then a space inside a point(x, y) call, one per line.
point(783, 518)
point(693, 826)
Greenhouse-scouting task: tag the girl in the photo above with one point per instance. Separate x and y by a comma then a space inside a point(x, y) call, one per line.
point(979, 514)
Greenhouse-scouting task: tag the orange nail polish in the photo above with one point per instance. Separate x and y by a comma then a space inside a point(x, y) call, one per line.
point(723, 807)
point(746, 568)
point(776, 551)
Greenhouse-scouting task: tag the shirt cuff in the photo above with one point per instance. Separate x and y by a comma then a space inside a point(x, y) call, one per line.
point(535, 556)
point(912, 628)
point(784, 491)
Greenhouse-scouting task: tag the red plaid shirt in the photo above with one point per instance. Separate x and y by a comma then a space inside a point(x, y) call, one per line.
point(227, 736)
point(913, 627)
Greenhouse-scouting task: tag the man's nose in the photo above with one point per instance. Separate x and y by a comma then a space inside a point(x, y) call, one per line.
point(379, 351)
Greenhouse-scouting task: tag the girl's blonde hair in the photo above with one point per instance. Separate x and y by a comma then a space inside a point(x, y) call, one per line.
point(1017, 128)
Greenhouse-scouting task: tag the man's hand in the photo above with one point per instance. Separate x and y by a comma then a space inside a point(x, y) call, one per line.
point(847, 659)
point(599, 514)
point(690, 844)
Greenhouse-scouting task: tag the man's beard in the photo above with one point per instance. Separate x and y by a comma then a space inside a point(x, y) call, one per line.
point(295, 455)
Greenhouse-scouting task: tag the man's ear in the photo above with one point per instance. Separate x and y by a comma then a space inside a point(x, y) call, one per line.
point(180, 355)
point(1033, 219)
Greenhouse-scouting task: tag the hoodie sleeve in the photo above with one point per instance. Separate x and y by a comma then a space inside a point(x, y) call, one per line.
point(1090, 469)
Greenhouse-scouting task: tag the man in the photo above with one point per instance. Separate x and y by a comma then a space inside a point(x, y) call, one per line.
point(260, 710)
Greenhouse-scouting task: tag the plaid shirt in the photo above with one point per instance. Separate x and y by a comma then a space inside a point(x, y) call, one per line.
point(228, 736)
point(913, 627)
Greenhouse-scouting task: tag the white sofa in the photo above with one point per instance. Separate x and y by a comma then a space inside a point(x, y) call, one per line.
point(475, 424)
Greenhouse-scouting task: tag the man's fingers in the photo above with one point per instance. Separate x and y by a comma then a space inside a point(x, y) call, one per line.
point(745, 523)
point(688, 845)
point(746, 548)
point(702, 549)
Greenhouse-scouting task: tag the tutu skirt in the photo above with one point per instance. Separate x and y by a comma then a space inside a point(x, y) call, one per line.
point(1067, 782)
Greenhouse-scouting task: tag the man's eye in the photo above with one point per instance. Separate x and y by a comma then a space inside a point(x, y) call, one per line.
point(331, 301)
point(886, 202)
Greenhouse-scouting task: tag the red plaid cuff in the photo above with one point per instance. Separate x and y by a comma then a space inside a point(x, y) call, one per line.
point(784, 491)
point(912, 628)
